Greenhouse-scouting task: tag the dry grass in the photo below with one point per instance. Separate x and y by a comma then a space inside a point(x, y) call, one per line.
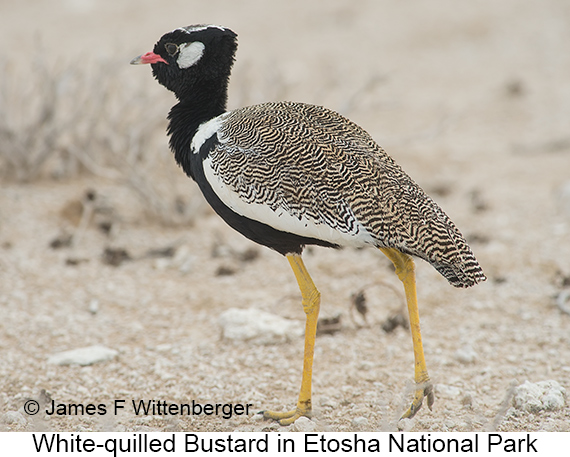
point(61, 122)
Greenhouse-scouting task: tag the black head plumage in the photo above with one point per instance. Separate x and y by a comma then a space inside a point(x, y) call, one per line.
point(191, 56)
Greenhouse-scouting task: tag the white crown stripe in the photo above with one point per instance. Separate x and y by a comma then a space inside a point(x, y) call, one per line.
point(199, 28)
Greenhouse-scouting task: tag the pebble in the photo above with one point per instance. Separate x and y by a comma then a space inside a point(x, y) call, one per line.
point(466, 354)
point(83, 356)
point(359, 422)
point(303, 424)
point(446, 391)
point(540, 396)
point(14, 418)
point(327, 402)
point(450, 424)
point(467, 400)
point(405, 425)
point(162, 264)
point(94, 306)
point(366, 365)
point(258, 326)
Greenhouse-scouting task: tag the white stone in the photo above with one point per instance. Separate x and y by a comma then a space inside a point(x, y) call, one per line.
point(327, 402)
point(94, 306)
point(359, 422)
point(14, 418)
point(446, 391)
point(466, 354)
point(83, 356)
point(405, 425)
point(540, 396)
point(258, 326)
point(303, 424)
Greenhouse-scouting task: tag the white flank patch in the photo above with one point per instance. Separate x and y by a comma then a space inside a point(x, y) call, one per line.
point(205, 132)
point(190, 53)
point(280, 219)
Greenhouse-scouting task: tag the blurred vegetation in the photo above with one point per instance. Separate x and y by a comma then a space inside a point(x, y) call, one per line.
point(61, 122)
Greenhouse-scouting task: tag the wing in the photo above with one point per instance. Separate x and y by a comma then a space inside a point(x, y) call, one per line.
point(306, 170)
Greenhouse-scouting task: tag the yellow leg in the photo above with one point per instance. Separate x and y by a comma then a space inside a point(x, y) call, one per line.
point(405, 269)
point(311, 305)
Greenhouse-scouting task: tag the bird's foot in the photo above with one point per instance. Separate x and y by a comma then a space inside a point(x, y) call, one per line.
point(424, 389)
point(287, 417)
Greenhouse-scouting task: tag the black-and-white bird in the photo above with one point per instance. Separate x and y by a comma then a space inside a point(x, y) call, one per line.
point(287, 175)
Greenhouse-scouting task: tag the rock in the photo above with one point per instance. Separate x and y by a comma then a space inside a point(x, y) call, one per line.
point(14, 418)
point(467, 400)
point(466, 354)
point(443, 390)
point(450, 424)
point(540, 396)
point(303, 424)
point(94, 306)
point(83, 356)
point(359, 422)
point(406, 425)
point(258, 326)
point(366, 365)
point(327, 402)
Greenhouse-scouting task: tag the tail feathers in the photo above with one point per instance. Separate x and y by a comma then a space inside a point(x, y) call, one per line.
point(459, 267)
point(461, 274)
point(448, 252)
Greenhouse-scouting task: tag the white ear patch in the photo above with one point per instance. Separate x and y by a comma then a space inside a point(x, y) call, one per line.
point(190, 53)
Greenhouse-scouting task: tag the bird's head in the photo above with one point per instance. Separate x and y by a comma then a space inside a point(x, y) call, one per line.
point(189, 55)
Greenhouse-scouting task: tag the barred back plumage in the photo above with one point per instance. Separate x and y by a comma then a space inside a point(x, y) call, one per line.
point(314, 163)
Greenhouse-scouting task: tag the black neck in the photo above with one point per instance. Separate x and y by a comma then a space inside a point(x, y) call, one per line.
point(205, 101)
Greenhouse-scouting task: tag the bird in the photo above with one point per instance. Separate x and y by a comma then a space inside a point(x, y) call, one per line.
point(288, 175)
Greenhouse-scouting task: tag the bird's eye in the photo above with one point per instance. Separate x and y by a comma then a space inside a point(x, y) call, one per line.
point(171, 48)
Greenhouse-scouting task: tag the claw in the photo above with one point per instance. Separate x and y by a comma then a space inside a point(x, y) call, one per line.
point(287, 417)
point(424, 390)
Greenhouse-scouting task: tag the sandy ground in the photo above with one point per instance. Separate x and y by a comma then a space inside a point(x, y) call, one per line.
point(473, 100)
